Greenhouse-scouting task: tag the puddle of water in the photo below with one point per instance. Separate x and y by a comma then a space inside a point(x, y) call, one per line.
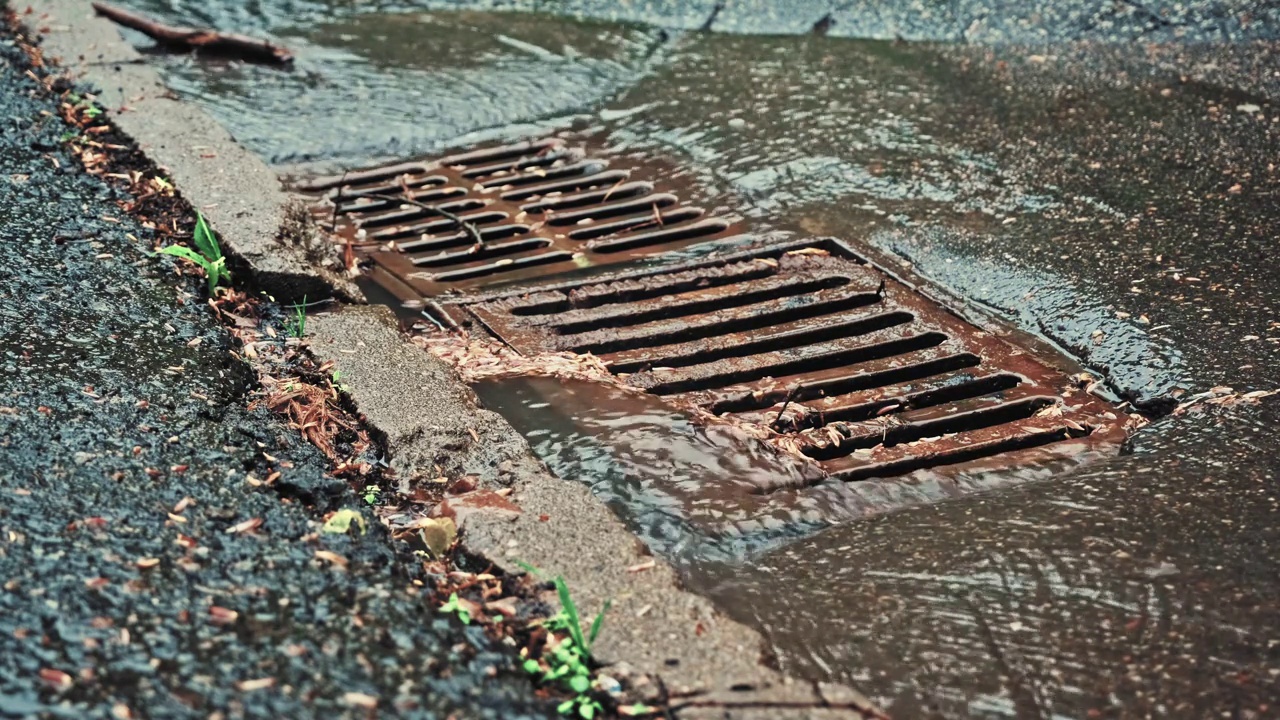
point(683, 488)
point(687, 489)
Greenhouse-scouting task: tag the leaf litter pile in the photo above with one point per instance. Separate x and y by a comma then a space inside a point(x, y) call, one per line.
point(307, 395)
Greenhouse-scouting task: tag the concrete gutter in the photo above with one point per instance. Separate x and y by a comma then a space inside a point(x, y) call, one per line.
point(266, 230)
point(658, 635)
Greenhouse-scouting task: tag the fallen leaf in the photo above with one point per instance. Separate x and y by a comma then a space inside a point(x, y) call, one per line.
point(356, 699)
point(56, 679)
point(332, 557)
point(246, 526)
point(259, 684)
point(437, 534)
point(222, 616)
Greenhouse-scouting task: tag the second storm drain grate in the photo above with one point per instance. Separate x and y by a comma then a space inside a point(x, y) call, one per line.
point(848, 366)
point(515, 212)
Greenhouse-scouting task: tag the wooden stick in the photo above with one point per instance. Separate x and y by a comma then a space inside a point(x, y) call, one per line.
point(188, 38)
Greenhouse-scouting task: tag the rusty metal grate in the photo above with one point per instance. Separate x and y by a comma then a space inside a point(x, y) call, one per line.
point(534, 208)
point(848, 366)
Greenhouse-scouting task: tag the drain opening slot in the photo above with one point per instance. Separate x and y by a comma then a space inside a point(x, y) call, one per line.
point(502, 266)
point(377, 204)
point(524, 162)
point(482, 252)
point(696, 305)
point(656, 218)
point(846, 384)
point(582, 300)
point(608, 177)
point(760, 320)
point(462, 239)
point(911, 432)
point(611, 210)
point(568, 171)
point(400, 216)
point(964, 454)
point(780, 342)
point(957, 392)
point(625, 190)
point(660, 237)
point(825, 361)
point(425, 230)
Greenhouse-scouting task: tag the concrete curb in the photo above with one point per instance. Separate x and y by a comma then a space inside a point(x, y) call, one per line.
point(242, 198)
point(656, 631)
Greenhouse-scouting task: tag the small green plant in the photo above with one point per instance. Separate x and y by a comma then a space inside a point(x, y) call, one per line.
point(337, 382)
point(210, 256)
point(569, 660)
point(371, 493)
point(79, 101)
point(455, 606)
point(297, 325)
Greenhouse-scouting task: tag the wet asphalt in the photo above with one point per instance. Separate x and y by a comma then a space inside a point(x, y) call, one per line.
point(1100, 175)
point(125, 442)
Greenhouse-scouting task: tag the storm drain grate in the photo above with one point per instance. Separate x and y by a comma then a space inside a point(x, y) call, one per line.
point(848, 366)
point(501, 214)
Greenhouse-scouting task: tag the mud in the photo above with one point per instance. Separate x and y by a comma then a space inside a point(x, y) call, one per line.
point(124, 450)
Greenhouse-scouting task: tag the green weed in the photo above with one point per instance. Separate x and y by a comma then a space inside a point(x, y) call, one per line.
point(338, 384)
point(90, 108)
point(210, 256)
point(455, 607)
point(569, 660)
point(297, 325)
point(371, 493)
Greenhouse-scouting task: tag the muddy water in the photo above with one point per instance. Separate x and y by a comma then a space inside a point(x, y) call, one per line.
point(690, 491)
point(684, 489)
point(1116, 200)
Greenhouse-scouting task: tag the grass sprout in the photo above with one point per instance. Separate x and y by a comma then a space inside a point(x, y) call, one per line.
point(568, 660)
point(297, 325)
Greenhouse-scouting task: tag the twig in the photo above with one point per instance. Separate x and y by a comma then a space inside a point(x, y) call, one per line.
point(790, 396)
point(471, 230)
point(241, 46)
point(711, 19)
point(348, 248)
